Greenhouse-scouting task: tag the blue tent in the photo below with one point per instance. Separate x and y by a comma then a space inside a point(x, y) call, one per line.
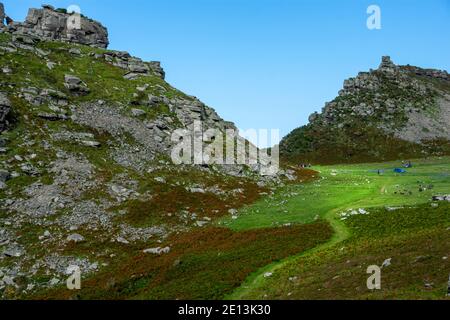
point(399, 170)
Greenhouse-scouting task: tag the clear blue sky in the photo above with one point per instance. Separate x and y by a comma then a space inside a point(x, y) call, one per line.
point(268, 63)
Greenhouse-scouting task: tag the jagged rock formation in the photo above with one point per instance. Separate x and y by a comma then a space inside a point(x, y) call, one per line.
point(50, 24)
point(388, 113)
point(135, 66)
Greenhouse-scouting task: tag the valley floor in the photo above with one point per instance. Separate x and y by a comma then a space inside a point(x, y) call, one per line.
point(378, 216)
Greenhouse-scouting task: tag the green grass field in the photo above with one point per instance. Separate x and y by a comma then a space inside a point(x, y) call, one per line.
point(347, 187)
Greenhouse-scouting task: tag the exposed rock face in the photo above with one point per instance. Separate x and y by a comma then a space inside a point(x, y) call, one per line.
point(135, 66)
point(50, 24)
point(387, 65)
point(75, 85)
point(381, 114)
point(5, 107)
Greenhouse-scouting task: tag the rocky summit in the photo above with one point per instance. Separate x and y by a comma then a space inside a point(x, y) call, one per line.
point(49, 23)
point(389, 113)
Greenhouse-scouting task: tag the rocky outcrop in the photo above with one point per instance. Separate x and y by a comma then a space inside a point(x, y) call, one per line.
point(405, 105)
point(387, 65)
point(5, 107)
point(134, 66)
point(50, 24)
point(429, 73)
point(75, 85)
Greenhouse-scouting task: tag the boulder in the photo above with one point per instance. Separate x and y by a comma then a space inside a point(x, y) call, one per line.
point(137, 112)
point(4, 175)
point(158, 250)
point(13, 251)
point(92, 144)
point(75, 51)
point(52, 116)
point(75, 238)
point(72, 80)
point(122, 240)
point(75, 85)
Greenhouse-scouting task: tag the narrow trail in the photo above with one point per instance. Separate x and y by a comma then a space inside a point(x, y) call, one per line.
point(256, 279)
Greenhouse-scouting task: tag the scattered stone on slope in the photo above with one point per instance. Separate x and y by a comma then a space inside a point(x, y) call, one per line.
point(158, 250)
point(75, 238)
point(137, 112)
point(92, 144)
point(75, 51)
point(135, 67)
point(75, 85)
point(52, 116)
point(13, 251)
point(4, 175)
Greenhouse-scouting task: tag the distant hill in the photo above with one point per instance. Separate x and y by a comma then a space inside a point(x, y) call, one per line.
point(390, 113)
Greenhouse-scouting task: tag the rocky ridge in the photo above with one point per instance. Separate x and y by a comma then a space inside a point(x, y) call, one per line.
point(405, 105)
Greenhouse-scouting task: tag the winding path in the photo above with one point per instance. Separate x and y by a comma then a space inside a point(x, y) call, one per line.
point(256, 279)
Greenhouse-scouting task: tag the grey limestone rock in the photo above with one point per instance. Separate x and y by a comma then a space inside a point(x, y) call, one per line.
point(50, 24)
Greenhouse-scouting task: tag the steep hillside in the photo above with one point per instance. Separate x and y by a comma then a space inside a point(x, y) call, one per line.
point(390, 113)
point(86, 177)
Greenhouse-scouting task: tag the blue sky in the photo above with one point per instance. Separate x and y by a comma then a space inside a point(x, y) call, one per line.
point(268, 63)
